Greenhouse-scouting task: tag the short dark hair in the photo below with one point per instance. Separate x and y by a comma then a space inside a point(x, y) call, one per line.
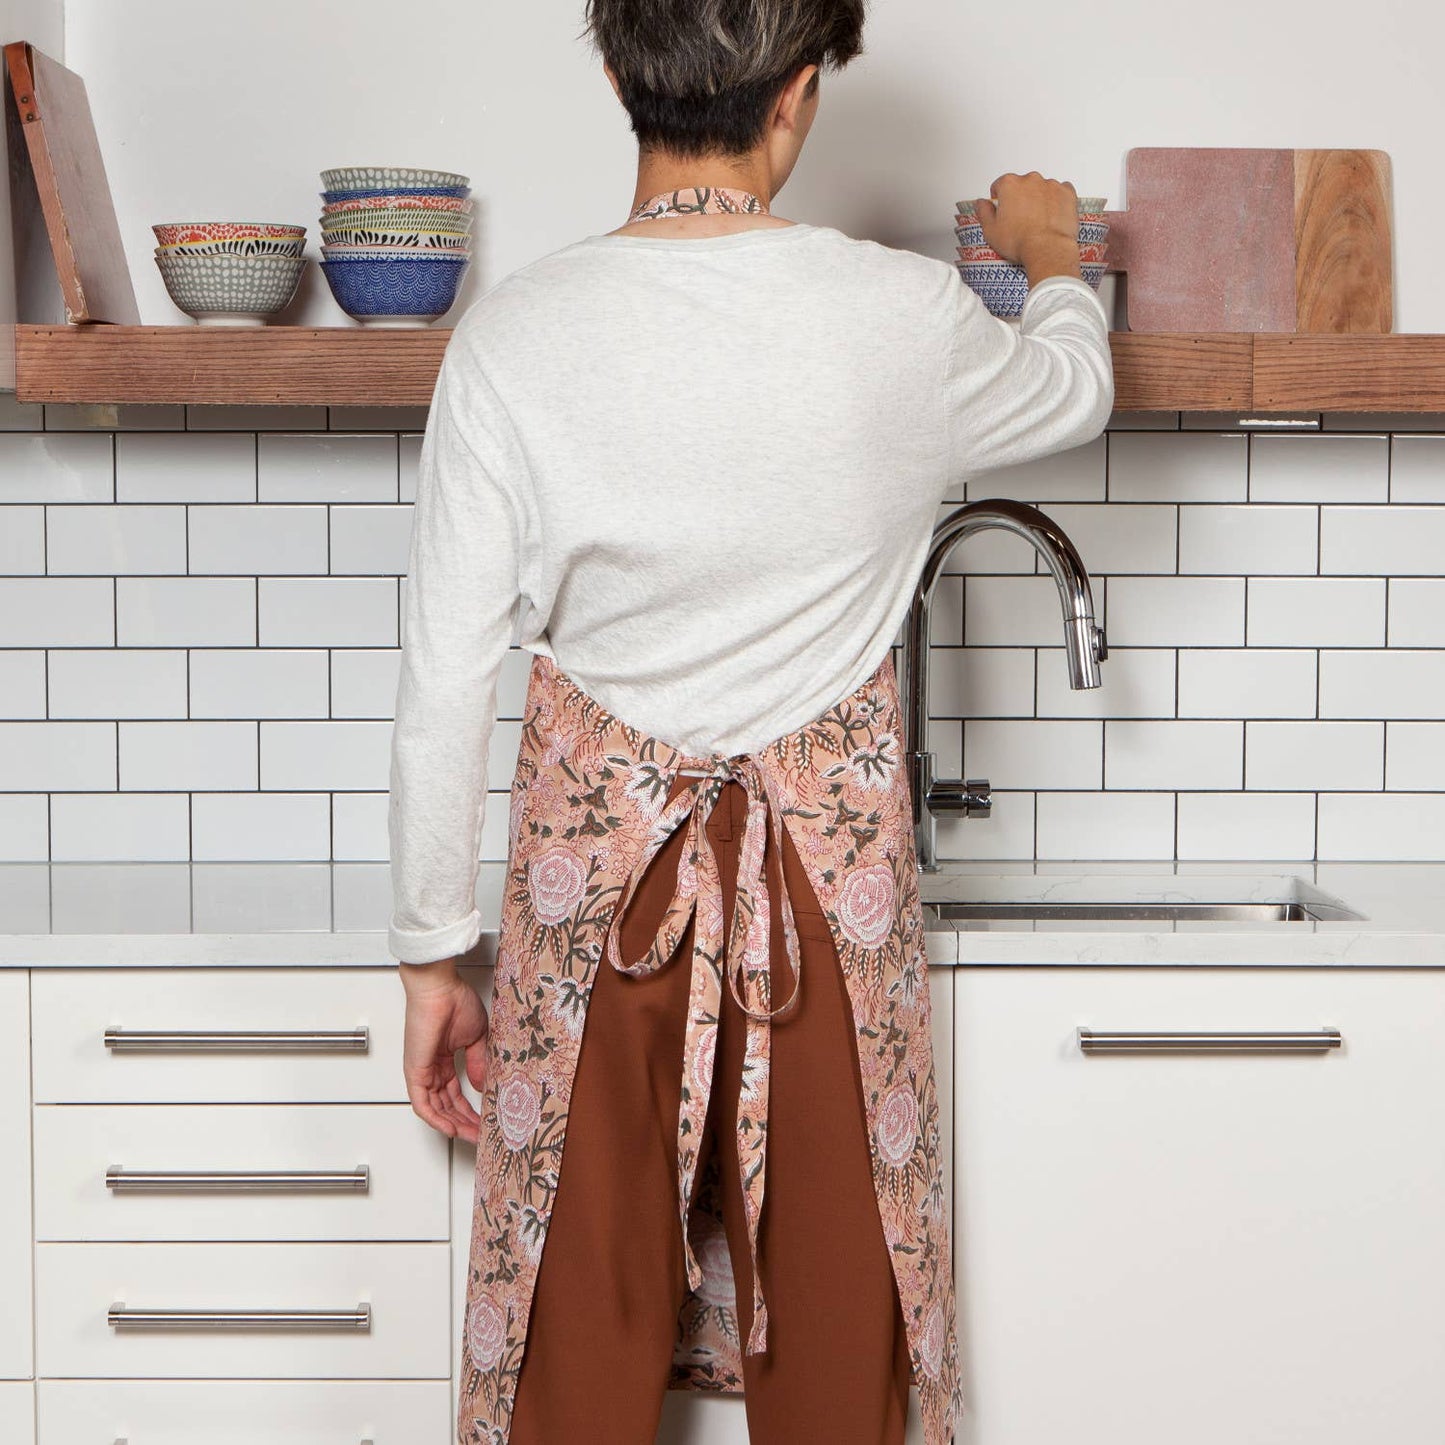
point(699, 77)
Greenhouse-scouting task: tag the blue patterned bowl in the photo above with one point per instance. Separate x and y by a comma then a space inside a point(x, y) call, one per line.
point(409, 290)
point(1004, 288)
point(1090, 233)
point(356, 193)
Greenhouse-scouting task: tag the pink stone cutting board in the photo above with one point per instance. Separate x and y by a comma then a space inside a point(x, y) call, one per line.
point(1254, 239)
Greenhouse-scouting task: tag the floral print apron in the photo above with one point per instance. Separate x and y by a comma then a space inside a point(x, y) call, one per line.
point(588, 814)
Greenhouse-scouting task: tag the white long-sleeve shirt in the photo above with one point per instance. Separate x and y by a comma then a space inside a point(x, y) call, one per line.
point(702, 475)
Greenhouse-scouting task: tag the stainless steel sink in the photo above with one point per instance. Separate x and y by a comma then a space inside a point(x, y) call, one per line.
point(1167, 898)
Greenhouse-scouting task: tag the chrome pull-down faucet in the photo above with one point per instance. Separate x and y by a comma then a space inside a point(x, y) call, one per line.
point(1084, 644)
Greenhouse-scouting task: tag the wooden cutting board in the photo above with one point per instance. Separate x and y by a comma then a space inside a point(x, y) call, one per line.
point(1253, 239)
point(69, 176)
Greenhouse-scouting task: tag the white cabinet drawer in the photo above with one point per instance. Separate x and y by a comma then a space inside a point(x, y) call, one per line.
point(1201, 1247)
point(241, 1412)
point(71, 1009)
point(16, 1357)
point(405, 1286)
point(399, 1163)
point(17, 1412)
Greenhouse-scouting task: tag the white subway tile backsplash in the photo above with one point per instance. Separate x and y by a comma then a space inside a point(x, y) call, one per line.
point(995, 549)
point(1417, 469)
point(1075, 475)
point(1388, 683)
point(185, 467)
point(255, 418)
point(1176, 755)
point(945, 619)
point(20, 415)
point(981, 682)
point(243, 682)
point(1387, 421)
point(334, 756)
point(57, 757)
point(330, 467)
point(246, 897)
point(1105, 825)
point(1006, 833)
point(1178, 467)
point(120, 827)
point(944, 739)
point(1246, 682)
point(117, 683)
point(239, 716)
point(1133, 682)
point(258, 540)
point(1175, 611)
point(1012, 612)
point(1386, 541)
point(1415, 756)
point(22, 540)
point(408, 459)
point(22, 683)
point(184, 611)
point(376, 418)
point(328, 612)
point(1417, 612)
point(1314, 756)
point(370, 540)
point(187, 757)
point(364, 681)
point(257, 827)
point(1255, 538)
point(24, 830)
point(1115, 537)
point(1246, 825)
point(1316, 611)
point(1362, 827)
point(57, 611)
point(121, 898)
point(115, 541)
point(36, 467)
point(1319, 468)
point(1037, 753)
point(110, 416)
point(359, 826)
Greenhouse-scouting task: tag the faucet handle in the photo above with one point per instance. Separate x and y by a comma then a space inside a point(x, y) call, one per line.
point(1101, 644)
point(951, 795)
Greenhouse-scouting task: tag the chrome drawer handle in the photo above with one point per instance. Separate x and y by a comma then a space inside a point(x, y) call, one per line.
point(122, 1318)
point(212, 1040)
point(118, 1179)
point(1309, 1041)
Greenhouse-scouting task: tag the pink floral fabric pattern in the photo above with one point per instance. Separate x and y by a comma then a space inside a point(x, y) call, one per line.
point(588, 811)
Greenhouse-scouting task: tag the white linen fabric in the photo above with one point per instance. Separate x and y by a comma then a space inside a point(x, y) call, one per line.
point(702, 475)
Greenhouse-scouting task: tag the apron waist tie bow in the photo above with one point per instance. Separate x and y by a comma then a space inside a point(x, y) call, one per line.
point(698, 895)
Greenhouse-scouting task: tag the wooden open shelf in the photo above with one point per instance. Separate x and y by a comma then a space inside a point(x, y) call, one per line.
point(354, 366)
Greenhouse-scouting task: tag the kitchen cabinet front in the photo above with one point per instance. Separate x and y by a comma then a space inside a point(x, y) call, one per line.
point(1200, 1247)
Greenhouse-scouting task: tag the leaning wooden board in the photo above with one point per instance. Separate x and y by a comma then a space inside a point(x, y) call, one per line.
point(69, 176)
point(1254, 239)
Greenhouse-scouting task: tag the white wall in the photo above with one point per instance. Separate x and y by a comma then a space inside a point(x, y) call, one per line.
point(42, 24)
point(230, 111)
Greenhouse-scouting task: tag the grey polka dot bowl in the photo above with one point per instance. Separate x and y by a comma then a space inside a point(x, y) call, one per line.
point(231, 290)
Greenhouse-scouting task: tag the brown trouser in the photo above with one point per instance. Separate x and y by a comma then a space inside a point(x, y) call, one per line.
point(611, 1279)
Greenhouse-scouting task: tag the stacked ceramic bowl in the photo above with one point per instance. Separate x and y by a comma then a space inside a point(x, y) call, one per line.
point(1000, 284)
point(395, 242)
point(230, 273)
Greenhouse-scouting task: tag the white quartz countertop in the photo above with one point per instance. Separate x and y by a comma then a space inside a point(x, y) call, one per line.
point(335, 914)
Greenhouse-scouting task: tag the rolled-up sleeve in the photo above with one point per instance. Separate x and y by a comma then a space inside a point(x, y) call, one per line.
point(459, 619)
point(1015, 393)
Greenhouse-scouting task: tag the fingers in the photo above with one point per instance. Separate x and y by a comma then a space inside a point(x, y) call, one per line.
point(442, 1104)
